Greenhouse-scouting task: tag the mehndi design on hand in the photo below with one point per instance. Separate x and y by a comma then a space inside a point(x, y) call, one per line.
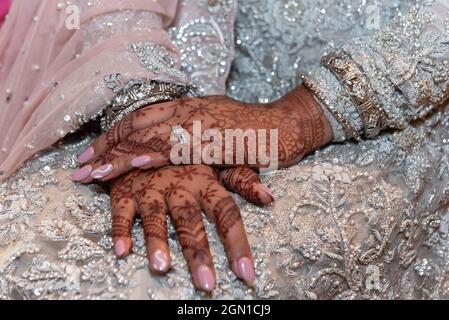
point(184, 192)
point(143, 138)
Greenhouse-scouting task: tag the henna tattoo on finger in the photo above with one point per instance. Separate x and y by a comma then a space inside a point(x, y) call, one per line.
point(122, 188)
point(227, 215)
point(119, 131)
point(121, 227)
point(153, 220)
point(243, 181)
point(210, 192)
point(189, 226)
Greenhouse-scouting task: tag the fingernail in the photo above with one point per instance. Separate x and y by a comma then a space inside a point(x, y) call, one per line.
point(86, 156)
point(246, 269)
point(82, 173)
point(102, 172)
point(235, 269)
point(159, 261)
point(206, 278)
point(140, 161)
point(267, 190)
point(119, 248)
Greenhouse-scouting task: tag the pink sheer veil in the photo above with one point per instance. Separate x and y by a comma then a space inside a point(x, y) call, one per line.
point(50, 74)
point(4, 8)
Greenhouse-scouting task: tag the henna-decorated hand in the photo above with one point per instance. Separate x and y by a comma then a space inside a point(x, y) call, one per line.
point(184, 191)
point(142, 140)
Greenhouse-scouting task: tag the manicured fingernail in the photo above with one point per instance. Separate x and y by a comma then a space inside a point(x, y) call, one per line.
point(140, 161)
point(102, 172)
point(86, 156)
point(235, 269)
point(159, 261)
point(119, 248)
point(206, 278)
point(246, 269)
point(82, 173)
point(267, 190)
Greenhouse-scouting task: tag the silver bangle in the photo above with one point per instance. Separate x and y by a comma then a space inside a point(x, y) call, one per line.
point(136, 94)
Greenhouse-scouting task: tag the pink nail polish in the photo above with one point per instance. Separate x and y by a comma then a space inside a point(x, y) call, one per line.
point(267, 190)
point(82, 173)
point(159, 261)
point(246, 269)
point(87, 155)
point(206, 278)
point(119, 248)
point(140, 161)
point(102, 172)
point(235, 269)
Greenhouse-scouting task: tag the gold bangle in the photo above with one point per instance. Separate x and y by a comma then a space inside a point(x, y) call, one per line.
point(349, 130)
point(357, 86)
point(136, 94)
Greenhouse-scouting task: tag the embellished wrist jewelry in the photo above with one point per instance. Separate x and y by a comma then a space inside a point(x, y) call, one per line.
point(357, 86)
point(349, 129)
point(136, 94)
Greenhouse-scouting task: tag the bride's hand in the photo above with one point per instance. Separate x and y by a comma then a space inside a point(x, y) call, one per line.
point(142, 140)
point(184, 191)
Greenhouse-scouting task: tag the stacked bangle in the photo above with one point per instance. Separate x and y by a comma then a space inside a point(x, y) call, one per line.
point(358, 88)
point(348, 128)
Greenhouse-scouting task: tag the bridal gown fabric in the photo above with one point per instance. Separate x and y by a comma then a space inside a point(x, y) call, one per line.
point(354, 220)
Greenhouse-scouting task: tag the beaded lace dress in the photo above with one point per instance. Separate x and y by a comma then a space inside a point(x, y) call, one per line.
point(354, 220)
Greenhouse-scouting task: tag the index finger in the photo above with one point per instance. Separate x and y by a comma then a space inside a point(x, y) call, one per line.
point(137, 120)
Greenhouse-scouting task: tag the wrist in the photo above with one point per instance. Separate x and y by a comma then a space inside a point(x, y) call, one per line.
point(305, 107)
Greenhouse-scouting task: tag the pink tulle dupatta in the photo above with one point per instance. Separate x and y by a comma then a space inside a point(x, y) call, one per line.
point(51, 73)
point(4, 7)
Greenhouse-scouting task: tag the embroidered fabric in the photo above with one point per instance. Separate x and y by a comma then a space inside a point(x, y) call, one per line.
point(406, 64)
point(403, 170)
point(367, 220)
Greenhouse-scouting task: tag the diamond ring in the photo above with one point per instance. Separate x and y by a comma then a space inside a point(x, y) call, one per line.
point(179, 132)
